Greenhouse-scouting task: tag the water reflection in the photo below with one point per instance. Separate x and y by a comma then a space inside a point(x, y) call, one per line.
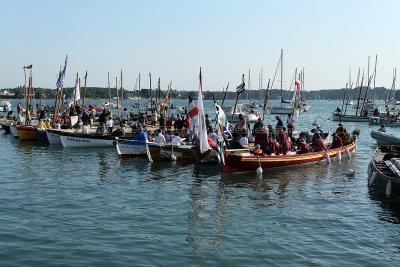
point(390, 208)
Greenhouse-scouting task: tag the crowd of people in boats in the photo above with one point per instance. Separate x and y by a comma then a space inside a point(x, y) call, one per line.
point(282, 140)
point(176, 129)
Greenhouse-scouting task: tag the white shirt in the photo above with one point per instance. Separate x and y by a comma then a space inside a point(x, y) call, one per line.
point(159, 139)
point(176, 140)
point(109, 123)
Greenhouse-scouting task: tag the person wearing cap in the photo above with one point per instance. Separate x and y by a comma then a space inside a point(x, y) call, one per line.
point(337, 142)
point(341, 131)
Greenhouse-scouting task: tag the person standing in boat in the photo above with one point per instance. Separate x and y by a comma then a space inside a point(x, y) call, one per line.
point(235, 143)
point(271, 132)
point(102, 121)
point(154, 117)
point(290, 125)
point(257, 126)
point(341, 130)
point(242, 125)
point(279, 123)
point(382, 128)
point(124, 117)
point(109, 124)
point(208, 121)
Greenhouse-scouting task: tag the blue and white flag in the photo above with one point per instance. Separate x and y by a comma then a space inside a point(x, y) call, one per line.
point(240, 88)
point(61, 75)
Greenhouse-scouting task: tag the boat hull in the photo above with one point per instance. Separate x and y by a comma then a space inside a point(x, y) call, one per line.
point(240, 162)
point(281, 110)
point(41, 135)
point(53, 137)
point(379, 174)
point(160, 152)
point(385, 138)
point(131, 148)
point(341, 117)
point(82, 140)
point(26, 132)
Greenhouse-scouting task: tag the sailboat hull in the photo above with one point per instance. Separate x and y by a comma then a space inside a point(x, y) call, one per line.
point(26, 132)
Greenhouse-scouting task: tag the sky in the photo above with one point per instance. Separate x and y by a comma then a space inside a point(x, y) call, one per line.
point(172, 39)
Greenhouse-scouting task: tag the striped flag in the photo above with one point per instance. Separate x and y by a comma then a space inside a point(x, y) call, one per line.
point(241, 87)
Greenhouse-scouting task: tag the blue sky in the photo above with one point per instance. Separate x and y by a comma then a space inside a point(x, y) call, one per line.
point(172, 39)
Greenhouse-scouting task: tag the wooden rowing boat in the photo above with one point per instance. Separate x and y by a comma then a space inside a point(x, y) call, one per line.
point(241, 160)
point(383, 171)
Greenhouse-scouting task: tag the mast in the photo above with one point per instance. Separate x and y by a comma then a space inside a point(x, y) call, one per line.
point(151, 96)
point(84, 91)
point(281, 76)
point(226, 91)
point(109, 92)
point(138, 94)
point(376, 60)
point(116, 88)
point(359, 95)
point(122, 94)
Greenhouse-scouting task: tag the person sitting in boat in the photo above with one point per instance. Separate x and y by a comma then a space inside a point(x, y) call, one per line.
point(257, 151)
point(376, 112)
point(338, 110)
point(212, 134)
point(382, 129)
point(48, 124)
point(186, 124)
point(337, 142)
point(279, 123)
point(150, 136)
point(41, 125)
point(177, 140)
point(284, 143)
point(341, 130)
point(306, 136)
point(178, 125)
point(318, 144)
point(141, 135)
point(304, 147)
point(290, 125)
point(160, 138)
point(235, 143)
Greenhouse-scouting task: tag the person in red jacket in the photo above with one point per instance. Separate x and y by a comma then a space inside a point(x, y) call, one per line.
point(336, 142)
point(318, 143)
point(341, 130)
point(304, 146)
point(284, 143)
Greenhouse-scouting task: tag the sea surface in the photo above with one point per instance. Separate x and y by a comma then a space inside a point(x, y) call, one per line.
point(86, 207)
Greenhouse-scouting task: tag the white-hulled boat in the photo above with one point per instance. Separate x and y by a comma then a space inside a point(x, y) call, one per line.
point(13, 130)
point(343, 117)
point(249, 116)
point(383, 138)
point(71, 140)
point(130, 148)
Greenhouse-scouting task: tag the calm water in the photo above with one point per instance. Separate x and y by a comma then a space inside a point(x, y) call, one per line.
point(74, 207)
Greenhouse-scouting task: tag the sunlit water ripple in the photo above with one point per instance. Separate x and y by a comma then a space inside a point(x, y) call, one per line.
point(85, 207)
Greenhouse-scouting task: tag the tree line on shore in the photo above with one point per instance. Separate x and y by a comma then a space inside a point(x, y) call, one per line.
point(378, 93)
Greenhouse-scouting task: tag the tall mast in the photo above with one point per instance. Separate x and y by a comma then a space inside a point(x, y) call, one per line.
point(84, 91)
point(151, 96)
point(376, 60)
point(116, 88)
point(281, 75)
point(138, 94)
point(109, 92)
point(122, 92)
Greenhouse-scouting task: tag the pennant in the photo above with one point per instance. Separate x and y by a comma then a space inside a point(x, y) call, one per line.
point(28, 66)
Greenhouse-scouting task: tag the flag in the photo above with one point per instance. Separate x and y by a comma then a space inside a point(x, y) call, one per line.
point(193, 110)
point(61, 75)
point(85, 75)
point(76, 97)
point(297, 83)
point(200, 126)
point(220, 116)
point(28, 66)
point(240, 88)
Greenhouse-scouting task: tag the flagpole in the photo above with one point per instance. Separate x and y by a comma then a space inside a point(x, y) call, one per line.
point(226, 91)
point(266, 98)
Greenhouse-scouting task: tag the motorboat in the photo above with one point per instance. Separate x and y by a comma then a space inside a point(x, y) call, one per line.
point(383, 138)
point(249, 115)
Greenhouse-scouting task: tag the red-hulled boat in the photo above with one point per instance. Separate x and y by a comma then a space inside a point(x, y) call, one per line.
point(241, 160)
